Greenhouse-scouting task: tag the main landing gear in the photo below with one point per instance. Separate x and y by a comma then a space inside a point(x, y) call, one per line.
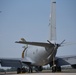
point(38, 68)
point(24, 70)
point(21, 70)
point(56, 68)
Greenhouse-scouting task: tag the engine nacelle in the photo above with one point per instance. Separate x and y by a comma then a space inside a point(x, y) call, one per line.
point(73, 66)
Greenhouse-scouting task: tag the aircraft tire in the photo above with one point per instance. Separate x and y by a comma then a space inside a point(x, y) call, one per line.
point(54, 69)
point(18, 70)
point(24, 70)
point(58, 69)
point(40, 68)
point(30, 70)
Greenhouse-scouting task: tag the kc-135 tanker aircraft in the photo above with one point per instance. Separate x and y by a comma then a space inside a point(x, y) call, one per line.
point(46, 54)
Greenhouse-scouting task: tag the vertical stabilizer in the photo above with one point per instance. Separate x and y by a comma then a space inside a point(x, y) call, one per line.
point(53, 21)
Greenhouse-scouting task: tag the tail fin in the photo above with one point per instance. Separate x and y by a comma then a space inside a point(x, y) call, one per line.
point(53, 21)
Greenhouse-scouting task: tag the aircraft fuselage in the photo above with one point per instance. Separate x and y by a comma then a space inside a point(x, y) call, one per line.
point(40, 56)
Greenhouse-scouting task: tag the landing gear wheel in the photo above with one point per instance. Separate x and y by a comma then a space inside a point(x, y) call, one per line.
point(23, 70)
point(58, 69)
point(38, 68)
point(54, 69)
point(18, 70)
point(30, 70)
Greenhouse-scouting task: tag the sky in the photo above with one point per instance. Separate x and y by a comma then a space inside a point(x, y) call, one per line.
point(29, 19)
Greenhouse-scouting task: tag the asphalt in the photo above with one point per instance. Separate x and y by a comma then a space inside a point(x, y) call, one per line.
point(45, 74)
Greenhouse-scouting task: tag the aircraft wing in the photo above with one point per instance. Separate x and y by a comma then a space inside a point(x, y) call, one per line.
point(13, 62)
point(36, 43)
point(67, 60)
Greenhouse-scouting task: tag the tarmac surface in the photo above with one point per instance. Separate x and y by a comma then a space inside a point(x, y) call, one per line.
point(44, 72)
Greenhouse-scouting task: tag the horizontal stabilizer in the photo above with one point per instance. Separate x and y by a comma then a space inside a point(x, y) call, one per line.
point(36, 43)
